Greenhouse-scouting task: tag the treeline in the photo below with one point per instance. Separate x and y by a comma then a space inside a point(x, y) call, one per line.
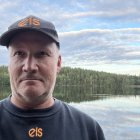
point(80, 77)
point(4, 82)
point(82, 84)
point(77, 81)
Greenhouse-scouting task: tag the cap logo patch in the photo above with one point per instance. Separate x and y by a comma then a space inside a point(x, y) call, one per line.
point(29, 21)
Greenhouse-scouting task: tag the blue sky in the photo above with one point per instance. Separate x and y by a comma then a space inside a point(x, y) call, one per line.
point(102, 35)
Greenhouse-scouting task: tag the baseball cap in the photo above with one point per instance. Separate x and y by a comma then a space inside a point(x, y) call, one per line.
point(30, 23)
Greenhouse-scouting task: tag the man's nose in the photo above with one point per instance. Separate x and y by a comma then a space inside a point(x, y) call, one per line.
point(30, 65)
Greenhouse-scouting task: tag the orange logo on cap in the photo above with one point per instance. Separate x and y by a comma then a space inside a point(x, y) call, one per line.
point(30, 21)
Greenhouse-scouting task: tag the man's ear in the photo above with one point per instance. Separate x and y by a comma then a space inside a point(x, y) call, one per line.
point(59, 64)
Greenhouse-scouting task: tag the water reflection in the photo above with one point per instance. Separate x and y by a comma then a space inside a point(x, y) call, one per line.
point(83, 93)
point(116, 109)
point(90, 93)
point(119, 116)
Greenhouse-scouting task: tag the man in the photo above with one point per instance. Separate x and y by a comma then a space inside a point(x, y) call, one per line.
point(31, 112)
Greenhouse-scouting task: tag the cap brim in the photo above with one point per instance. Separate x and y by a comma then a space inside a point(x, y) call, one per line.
point(7, 36)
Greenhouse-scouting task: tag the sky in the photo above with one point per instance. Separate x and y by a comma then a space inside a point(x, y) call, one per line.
point(101, 35)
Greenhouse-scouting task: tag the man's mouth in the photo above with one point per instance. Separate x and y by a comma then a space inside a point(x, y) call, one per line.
point(30, 79)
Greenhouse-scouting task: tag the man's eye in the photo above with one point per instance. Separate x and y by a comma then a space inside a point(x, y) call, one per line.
point(42, 54)
point(19, 53)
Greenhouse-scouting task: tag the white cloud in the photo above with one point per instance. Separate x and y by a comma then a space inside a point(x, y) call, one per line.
point(3, 56)
point(109, 10)
point(72, 14)
point(7, 5)
point(88, 29)
point(96, 46)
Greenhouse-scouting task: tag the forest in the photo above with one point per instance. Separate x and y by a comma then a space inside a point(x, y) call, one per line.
point(82, 83)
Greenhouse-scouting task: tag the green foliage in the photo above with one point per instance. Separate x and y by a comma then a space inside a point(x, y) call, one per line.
point(76, 83)
point(4, 82)
point(77, 76)
point(79, 84)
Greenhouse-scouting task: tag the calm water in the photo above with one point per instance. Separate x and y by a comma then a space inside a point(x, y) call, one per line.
point(117, 111)
point(118, 116)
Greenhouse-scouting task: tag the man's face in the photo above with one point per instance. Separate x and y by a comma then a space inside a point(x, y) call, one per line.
point(34, 62)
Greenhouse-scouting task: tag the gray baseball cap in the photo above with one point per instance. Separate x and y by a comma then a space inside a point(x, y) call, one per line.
point(30, 23)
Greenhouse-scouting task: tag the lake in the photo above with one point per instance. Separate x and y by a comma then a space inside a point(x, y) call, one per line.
point(118, 112)
point(118, 116)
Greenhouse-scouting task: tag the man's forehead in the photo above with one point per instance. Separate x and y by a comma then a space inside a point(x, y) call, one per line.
point(32, 46)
